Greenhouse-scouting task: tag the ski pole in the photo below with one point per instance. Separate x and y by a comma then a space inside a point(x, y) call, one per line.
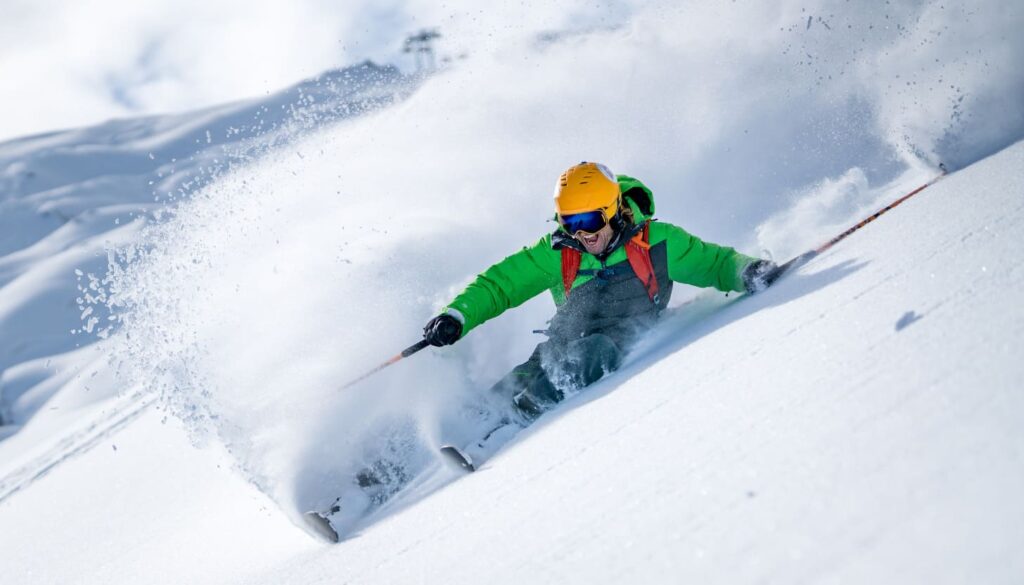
point(810, 254)
point(405, 353)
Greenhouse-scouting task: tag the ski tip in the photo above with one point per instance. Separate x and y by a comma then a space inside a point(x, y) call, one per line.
point(454, 456)
point(321, 526)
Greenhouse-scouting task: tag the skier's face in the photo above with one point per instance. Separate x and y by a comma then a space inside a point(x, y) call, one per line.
point(596, 242)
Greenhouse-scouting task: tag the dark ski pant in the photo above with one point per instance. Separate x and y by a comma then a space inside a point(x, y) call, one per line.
point(556, 367)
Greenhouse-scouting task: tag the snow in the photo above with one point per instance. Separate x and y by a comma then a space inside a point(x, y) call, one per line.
point(860, 421)
point(797, 435)
point(184, 488)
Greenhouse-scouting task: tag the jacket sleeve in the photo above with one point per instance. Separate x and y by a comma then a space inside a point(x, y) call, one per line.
point(696, 262)
point(509, 283)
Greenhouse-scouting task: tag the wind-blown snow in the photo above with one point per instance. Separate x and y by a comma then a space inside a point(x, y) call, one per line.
point(249, 303)
point(69, 198)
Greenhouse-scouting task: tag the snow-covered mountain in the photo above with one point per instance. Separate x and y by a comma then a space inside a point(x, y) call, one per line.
point(70, 197)
point(181, 298)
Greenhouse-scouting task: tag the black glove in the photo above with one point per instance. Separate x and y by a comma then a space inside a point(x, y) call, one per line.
point(442, 330)
point(759, 275)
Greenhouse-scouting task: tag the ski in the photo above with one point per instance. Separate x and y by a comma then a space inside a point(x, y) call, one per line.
point(370, 489)
point(320, 525)
point(472, 456)
point(457, 458)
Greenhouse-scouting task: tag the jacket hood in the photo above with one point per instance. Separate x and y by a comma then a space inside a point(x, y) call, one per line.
point(637, 196)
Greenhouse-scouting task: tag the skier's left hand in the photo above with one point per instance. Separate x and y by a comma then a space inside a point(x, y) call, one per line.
point(759, 275)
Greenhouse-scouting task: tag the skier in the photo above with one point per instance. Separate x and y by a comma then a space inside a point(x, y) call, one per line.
point(610, 268)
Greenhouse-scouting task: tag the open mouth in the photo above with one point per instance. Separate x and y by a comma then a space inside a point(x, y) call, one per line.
point(589, 239)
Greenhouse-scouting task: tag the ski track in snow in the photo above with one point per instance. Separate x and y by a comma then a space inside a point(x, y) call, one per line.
point(106, 424)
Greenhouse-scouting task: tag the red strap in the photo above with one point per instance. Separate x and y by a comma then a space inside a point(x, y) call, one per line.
point(570, 266)
point(638, 252)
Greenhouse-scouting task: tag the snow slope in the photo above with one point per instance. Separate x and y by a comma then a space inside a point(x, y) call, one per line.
point(815, 433)
point(812, 434)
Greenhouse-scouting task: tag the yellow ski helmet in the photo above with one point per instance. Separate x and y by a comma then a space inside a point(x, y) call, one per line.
point(587, 187)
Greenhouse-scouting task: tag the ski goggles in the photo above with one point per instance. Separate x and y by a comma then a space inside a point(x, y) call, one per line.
point(589, 222)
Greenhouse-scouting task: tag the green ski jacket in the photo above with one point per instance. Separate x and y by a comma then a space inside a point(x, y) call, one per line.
point(606, 289)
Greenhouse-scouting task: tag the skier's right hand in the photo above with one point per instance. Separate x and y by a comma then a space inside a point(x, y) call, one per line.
point(442, 330)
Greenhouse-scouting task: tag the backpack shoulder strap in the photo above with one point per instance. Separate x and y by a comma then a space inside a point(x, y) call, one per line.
point(570, 267)
point(638, 252)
